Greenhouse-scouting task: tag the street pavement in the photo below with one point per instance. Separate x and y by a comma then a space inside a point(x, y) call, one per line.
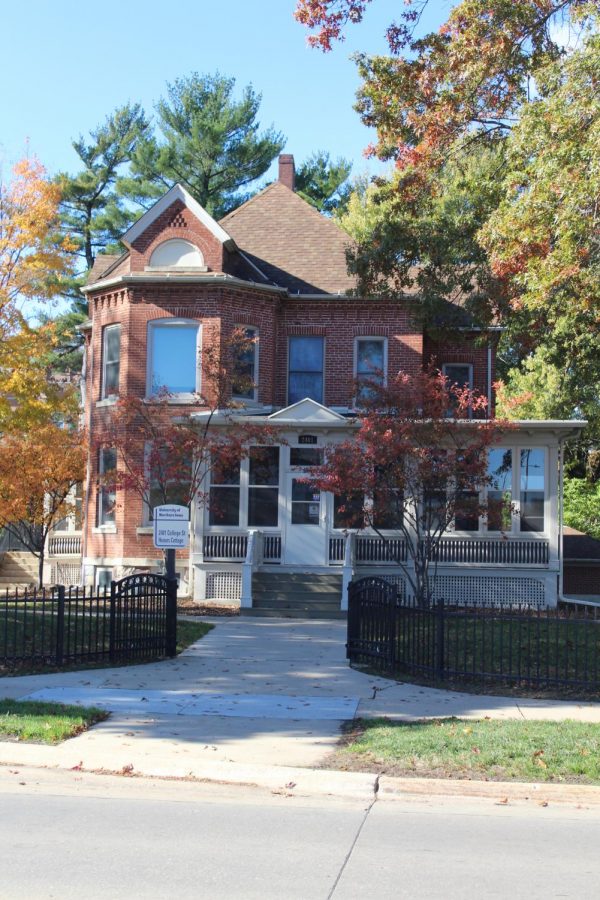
point(69, 834)
point(257, 701)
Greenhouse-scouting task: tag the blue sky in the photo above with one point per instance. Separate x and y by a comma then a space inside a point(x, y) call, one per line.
point(65, 65)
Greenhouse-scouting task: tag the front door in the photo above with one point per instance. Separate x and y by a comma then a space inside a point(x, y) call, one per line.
point(305, 534)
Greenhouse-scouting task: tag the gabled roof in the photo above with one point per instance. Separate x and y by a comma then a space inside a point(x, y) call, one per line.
point(177, 192)
point(291, 242)
point(308, 412)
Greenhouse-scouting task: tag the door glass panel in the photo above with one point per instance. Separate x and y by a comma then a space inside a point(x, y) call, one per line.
point(306, 503)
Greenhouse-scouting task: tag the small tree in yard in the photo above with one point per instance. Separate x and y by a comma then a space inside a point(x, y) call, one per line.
point(165, 455)
point(417, 464)
point(39, 471)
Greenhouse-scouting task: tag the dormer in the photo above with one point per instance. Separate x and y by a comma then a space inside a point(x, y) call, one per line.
point(177, 235)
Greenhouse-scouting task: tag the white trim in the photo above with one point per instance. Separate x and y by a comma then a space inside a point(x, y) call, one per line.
point(166, 322)
point(315, 414)
point(105, 331)
point(177, 192)
point(370, 337)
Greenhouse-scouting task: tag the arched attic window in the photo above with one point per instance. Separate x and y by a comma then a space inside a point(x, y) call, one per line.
point(177, 254)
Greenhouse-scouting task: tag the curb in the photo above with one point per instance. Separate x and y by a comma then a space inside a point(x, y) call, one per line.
point(295, 781)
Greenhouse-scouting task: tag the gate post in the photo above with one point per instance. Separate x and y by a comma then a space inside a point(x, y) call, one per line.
point(171, 618)
point(60, 625)
point(439, 638)
point(112, 621)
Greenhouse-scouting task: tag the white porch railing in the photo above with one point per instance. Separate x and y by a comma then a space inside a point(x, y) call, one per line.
point(64, 545)
point(234, 547)
point(481, 551)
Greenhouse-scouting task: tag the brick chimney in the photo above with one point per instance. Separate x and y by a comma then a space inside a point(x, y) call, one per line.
point(287, 171)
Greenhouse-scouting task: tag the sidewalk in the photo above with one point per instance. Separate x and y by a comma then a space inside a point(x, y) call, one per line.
point(255, 701)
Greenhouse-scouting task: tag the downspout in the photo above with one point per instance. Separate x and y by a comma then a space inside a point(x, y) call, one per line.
point(561, 458)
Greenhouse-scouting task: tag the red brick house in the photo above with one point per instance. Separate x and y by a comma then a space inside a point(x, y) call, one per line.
point(277, 268)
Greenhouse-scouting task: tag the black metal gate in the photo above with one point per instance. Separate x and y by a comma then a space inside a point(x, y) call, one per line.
point(143, 616)
point(372, 622)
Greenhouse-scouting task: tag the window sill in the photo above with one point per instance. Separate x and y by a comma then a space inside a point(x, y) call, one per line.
point(185, 400)
point(107, 401)
point(145, 529)
point(105, 529)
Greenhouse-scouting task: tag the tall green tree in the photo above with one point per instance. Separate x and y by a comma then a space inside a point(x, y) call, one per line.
point(209, 141)
point(92, 212)
point(542, 240)
point(324, 183)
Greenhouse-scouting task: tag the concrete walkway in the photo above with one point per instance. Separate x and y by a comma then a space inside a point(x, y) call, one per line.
point(252, 693)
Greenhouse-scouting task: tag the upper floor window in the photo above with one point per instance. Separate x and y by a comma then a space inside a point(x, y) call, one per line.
point(111, 358)
point(370, 365)
point(174, 357)
point(107, 496)
point(459, 375)
point(305, 369)
point(176, 254)
point(245, 366)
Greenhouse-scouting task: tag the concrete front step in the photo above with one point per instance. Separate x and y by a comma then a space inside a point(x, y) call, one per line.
point(296, 595)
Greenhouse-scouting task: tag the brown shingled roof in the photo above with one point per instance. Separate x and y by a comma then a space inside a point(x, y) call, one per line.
point(106, 261)
point(291, 242)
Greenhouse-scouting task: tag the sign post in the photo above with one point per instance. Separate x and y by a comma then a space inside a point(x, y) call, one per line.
point(171, 532)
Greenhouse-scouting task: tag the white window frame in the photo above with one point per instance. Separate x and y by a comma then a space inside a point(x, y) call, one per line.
point(370, 337)
point(256, 342)
point(153, 325)
point(107, 328)
point(100, 524)
point(324, 366)
point(173, 265)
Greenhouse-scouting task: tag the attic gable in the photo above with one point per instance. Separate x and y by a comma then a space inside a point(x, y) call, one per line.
point(176, 193)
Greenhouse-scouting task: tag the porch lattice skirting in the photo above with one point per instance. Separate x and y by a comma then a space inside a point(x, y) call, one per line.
point(484, 588)
point(223, 586)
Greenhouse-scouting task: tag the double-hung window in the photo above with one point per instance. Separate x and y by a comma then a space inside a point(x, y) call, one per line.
point(174, 358)
point(111, 358)
point(245, 365)
point(305, 368)
point(107, 496)
point(459, 375)
point(370, 366)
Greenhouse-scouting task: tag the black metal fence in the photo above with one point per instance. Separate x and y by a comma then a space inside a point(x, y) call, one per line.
point(134, 619)
point(447, 643)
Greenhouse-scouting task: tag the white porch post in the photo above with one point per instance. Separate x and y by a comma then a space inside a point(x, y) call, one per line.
point(253, 555)
point(348, 568)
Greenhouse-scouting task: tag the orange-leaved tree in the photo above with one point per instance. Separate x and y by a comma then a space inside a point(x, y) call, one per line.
point(39, 471)
point(418, 463)
point(33, 257)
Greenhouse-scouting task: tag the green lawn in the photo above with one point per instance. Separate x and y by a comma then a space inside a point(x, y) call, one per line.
point(487, 749)
point(45, 723)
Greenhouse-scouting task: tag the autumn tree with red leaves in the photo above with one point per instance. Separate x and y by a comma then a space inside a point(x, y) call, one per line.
point(417, 463)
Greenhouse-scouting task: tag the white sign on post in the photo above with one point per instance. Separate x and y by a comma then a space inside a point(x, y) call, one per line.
point(171, 527)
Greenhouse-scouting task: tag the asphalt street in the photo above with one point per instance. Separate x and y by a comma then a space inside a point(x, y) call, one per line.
point(70, 834)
